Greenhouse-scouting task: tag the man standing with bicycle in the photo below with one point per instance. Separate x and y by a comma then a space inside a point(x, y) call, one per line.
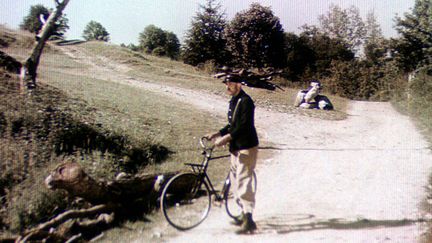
point(242, 137)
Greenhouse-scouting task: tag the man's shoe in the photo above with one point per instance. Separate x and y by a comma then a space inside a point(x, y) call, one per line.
point(248, 225)
point(238, 221)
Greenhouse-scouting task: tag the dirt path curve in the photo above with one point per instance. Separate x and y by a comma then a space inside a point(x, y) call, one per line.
point(356, 180)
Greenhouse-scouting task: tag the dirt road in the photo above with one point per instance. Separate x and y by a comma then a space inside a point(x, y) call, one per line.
point(357, 180)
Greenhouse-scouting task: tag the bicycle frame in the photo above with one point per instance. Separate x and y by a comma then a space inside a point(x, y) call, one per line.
point(201, 184)
point(201, 170)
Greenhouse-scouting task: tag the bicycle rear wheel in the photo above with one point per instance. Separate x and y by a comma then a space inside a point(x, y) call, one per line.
point(233, 205)
point(185, 201)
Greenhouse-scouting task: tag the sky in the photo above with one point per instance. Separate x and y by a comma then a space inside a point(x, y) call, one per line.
point(125, 19)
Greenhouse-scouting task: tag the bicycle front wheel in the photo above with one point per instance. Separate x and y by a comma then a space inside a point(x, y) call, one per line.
point(233, 205)
point(185, 201)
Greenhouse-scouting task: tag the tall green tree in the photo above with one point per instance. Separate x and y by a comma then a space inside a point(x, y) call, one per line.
point(375, 45)
point(38, 13)
point(95, 31)
point(255, 38)
point(204, 40)
point(344, 24)
point(325, 50)
point(414, 48)
point(300, 56)
point(151, 38)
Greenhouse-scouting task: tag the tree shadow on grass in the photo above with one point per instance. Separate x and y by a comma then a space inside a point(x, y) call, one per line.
point(289, 223)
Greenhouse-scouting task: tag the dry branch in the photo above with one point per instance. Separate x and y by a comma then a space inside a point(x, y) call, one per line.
point(41, 230)
point(252, 78)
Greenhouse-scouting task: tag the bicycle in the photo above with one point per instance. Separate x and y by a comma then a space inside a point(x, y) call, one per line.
point(186, 198)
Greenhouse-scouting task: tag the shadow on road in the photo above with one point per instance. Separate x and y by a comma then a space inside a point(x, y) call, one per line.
point(344, 149)
point(285, 224)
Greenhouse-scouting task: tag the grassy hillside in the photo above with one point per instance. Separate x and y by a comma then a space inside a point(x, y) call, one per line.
point(80, 112)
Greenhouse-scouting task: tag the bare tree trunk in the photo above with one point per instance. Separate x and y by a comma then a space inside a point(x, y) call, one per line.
point(29, 69)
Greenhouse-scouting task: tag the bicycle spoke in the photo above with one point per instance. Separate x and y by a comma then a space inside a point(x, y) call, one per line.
point(185, 201)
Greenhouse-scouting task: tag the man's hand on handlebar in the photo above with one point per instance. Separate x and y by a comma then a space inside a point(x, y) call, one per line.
point(212, 136)
point(221, 141)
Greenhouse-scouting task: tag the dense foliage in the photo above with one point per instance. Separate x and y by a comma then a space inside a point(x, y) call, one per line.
point(95, 31)
point(345, 25)
point(33, 23)
point(204, 40)
point(255, 38)
point(414, 48)
point(310, 54)
point(159, 42)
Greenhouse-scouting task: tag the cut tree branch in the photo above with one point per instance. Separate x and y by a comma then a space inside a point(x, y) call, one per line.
point(82, 213)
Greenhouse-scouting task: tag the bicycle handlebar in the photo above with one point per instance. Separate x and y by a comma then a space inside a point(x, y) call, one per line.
point(204, 143)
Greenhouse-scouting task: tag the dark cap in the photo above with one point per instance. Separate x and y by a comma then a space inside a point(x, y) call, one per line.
point(232, 79)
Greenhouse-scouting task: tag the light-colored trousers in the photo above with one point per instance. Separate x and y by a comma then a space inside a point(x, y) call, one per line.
point(243, 164)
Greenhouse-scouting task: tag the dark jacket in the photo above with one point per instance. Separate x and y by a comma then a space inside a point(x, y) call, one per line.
point(241, 123)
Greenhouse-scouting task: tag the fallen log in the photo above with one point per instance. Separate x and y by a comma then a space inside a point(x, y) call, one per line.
point(71, 177)
point(111, 199)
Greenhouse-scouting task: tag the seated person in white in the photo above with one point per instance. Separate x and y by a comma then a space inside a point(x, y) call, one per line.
point(311, 98)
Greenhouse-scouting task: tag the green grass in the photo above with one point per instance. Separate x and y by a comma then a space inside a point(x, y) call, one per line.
point(139, 114)
point(414, 99)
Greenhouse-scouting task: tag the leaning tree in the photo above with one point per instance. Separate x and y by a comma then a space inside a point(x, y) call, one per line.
point(29, 69)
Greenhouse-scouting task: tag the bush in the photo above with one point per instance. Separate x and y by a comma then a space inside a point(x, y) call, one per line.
point(362, 80)
point(159, 51)
point(31, 207)
point(209, 66)
point(420, 93)
point(344, 80)
point(391, 85)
